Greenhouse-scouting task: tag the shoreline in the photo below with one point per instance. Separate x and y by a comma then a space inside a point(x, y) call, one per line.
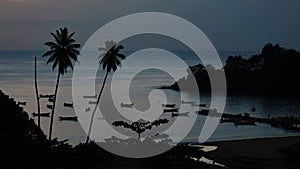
point(277, 152)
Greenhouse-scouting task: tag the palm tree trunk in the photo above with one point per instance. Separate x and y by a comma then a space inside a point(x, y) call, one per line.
point(95, 108)
point(53, 108)
point(37, 93)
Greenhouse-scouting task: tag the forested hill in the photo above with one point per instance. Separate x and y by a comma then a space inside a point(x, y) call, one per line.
point(273, 72)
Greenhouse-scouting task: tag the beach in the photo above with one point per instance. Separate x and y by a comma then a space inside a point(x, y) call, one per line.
point(264, 153)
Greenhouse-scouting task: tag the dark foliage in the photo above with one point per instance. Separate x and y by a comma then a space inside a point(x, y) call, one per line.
point(141, 125)
point(273, 72)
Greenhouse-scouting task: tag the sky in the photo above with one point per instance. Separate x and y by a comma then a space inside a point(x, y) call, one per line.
point(232, 25)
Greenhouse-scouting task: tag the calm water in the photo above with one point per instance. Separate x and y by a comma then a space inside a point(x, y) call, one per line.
point(16, 80)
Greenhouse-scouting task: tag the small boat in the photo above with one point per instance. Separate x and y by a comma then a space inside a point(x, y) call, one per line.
point(203, 112)
point(171, 105)
point(68, 104)
point(71, 118)
point(170, 110)
point(87, 109)
point(46, 95)
point(92, 102)
point(41, 114)
point(253, 109)
point(22, 103)
point(199, 104)
point(187, 102)
point(51, 99)
point(127, 105)
point(244, 122)
point(90, 97)
point(49, 106)
point(180, 114)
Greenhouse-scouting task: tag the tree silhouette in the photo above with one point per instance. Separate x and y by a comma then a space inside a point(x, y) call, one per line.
point(110, 60)
point(62, 51)
point(141, 125)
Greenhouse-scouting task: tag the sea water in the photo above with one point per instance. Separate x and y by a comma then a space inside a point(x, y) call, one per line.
point(17, 80)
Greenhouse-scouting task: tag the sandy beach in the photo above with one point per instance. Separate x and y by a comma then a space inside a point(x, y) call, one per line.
point(281, 153)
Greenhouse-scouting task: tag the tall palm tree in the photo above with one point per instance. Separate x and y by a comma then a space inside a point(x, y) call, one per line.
point(110, 60)
point(62, 51)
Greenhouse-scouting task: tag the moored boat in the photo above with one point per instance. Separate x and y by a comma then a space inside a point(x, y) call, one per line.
point(66, 104)
point(22, 103)
point(170, 105)
point(46, 95)
point(51, 99)
point(199, 104)
point(170, 110)
point(49, 106)
point(71, 118)
point(127, 105)
point(41, 114)
point(92, 102)
point(180, 114)
point(187, 102)
point(90, 96)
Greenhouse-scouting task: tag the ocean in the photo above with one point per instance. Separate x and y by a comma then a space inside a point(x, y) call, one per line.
point(16, 80)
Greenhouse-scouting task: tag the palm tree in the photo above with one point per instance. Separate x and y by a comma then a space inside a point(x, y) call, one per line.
point(110, 60)
point(62, 51)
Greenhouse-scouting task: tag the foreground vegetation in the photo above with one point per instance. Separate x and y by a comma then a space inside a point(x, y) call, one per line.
point(24, 145)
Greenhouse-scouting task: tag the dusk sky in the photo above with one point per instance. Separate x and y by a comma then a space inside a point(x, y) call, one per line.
point(229, 24)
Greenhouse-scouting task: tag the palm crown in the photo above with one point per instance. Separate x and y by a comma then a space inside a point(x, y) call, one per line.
point(62, 51)
point(110, 59)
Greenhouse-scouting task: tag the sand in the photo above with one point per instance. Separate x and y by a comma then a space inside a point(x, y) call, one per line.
point(279, 153)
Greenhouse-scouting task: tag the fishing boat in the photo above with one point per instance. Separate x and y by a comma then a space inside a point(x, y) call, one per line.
point(41, 114)
point(46, 95)
point(71, 118)
point(51, 99)
point(22, 103)
point(180, 114)
point(92, 102)
point(171, 105)
point(90, 96)
point(66, 104)
point(244, 122)
point(199, 104)
point(170, 110)
point(127, 105)
point(187, 102)
point(49, 106)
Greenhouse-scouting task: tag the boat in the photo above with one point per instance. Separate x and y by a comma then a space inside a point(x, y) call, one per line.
point(170, 110)
point(46, 95)
point(244, 122)
point(68, 104)
point(49, 106)
point(171, 105)
point(90, 96)
point(41, 114)
point(51, 99)
point(22, 103)
point(253, 109)
point(87, 109)
point(127, 105)
point(187, 102)
point(199, 104)
point(92, 102)
point(211, 112)
point(71, 118)
point(180, 114)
